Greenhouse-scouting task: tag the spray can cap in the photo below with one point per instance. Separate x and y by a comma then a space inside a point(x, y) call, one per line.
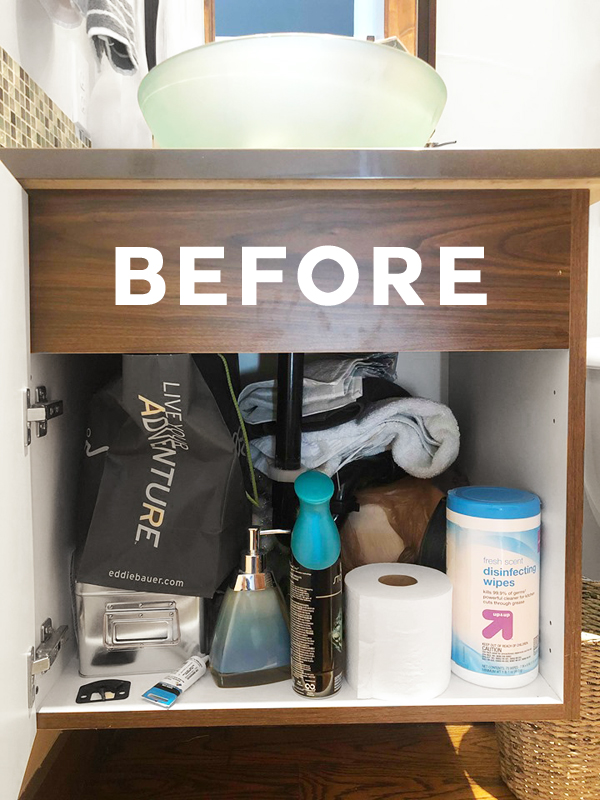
point(314, 487)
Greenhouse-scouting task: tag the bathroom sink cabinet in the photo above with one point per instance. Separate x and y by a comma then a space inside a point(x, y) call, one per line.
point(512, 370)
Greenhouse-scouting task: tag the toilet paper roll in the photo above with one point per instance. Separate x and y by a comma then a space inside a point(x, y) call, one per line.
point(398, 631)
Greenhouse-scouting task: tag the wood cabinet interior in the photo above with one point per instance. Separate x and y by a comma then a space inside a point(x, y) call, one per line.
point(521, 413)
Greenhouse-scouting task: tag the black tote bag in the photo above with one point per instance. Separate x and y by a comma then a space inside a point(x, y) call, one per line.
point(163, 502)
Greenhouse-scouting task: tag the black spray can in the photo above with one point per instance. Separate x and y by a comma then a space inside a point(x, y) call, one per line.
point(316, 591)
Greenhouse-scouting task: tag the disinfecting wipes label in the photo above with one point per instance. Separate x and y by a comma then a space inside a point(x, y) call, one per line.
point(495, 576)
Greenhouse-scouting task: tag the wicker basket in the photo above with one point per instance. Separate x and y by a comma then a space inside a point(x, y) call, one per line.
point(550, 760)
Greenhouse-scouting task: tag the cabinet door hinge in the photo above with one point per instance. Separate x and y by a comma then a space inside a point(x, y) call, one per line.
point(41, 658)
point(40, 412)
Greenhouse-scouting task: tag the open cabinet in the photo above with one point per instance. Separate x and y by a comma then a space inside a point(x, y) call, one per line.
point(513, 370)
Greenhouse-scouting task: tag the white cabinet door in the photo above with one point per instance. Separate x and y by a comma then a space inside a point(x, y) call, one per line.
point(17, 721)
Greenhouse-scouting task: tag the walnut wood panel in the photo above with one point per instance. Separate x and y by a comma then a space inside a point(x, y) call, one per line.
point(576, 439)
point(526, 270)
point(377, 185)
point(299, 715)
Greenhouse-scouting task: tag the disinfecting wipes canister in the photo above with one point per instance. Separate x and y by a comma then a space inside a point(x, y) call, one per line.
point(493, 561)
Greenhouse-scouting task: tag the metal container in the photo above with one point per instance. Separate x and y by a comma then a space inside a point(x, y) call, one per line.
point(126, 632)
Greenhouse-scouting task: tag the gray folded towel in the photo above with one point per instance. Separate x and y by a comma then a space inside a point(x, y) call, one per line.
point(331, 382)
point(110, 24)
point(422, 435)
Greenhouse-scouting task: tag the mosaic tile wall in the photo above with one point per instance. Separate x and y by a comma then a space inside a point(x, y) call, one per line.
point(28, 117)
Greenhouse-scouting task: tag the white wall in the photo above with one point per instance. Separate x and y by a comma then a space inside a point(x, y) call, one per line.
point(62, 62)
point(591, 529)
point(520, 73)
point(526, 74)
point(594, 269)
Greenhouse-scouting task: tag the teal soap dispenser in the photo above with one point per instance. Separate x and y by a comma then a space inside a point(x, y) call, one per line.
point(251, 645)
point(316, 591)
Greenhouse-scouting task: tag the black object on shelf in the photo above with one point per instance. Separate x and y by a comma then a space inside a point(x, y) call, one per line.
point(377, 470)
point(433, 546)
point(103, 691)
point(290, 378)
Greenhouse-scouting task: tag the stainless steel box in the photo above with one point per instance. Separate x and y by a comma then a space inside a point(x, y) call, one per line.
point(126, 632)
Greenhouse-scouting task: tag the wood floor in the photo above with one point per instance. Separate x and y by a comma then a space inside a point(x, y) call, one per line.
point(345, 762)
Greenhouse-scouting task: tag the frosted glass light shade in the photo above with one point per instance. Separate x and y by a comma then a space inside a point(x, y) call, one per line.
point(292, 90)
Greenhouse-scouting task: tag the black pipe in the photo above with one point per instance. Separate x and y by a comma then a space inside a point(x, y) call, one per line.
point(150, 25)
point(290, 376)
point(288, 436)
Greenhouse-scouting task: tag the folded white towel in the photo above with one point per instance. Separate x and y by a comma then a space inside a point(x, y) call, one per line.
point(423, 436)
point(111, 24)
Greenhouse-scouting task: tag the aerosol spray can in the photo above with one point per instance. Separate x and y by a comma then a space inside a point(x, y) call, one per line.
point(316, 591)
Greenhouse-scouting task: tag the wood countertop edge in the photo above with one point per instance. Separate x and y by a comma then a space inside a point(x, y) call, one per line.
point(114, 184)
point(297, 716)
point(50, 169)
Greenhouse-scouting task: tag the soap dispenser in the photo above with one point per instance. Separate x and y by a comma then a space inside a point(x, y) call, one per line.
point(251, 645)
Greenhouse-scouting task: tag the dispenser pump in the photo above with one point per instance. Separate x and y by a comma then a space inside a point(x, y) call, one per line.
point(251, 645)
point(253, 560)
point(253, 576)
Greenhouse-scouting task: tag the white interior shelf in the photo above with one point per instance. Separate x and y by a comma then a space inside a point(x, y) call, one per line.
point(206, 695)
point(512, 411)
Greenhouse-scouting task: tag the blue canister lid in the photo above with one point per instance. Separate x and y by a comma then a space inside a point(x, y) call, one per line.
point(493, 502)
